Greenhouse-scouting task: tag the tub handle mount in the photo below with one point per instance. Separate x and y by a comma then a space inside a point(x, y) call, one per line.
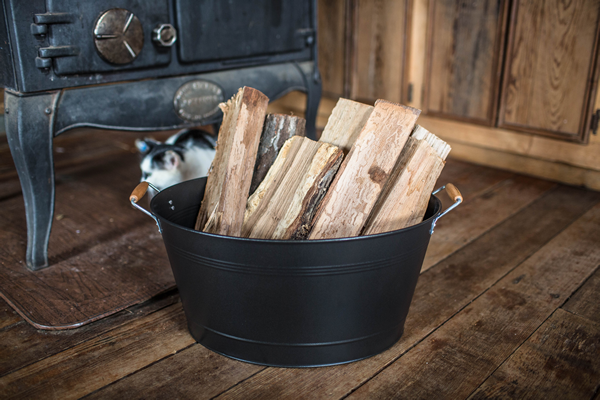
point(454, 194)
point(137, 194)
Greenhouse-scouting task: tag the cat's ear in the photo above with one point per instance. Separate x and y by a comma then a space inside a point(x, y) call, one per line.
point(146, 145)
point(171, 159)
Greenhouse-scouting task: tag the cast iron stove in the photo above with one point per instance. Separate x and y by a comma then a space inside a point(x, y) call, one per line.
point(138, 65)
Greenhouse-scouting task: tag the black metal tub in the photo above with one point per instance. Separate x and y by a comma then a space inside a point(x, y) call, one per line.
point(291, 303)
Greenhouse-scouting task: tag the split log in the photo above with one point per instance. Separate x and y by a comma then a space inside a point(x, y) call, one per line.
point(405, 197)
point(277, 129)
point(364, 172)
point(285, 202)
point(228, 184)
point(345, 123)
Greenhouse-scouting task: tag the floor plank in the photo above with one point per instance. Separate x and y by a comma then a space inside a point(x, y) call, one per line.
point(472, 180)
point(8, 316)
point(479, 338)
point(198, 372)
point(21, 344)
point(441, 292)
point(469, 221)
point(586, 301)
point(102, 360)
point(105, 255)
point(559, 361)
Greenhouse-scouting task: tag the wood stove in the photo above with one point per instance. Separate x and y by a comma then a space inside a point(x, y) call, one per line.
point(142, 66)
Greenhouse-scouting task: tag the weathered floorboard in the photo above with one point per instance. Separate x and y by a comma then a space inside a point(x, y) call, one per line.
point(22, 344)
point(486, 332)
point(559, 361)
point(469, 221)
point(586, 301)
point(441, 292)
point(8, 316)
point(198, 372)
point(93, 364)
point(105, 255)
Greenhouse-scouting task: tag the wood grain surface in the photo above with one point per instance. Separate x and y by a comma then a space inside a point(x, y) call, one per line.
point(480, 214)
point(364, 171)
point(491, 328)
point(465, 49)
point(105, 255)
point(560, 360)
point(104, 359)
point(284, 205)
point(332, 45)
point(193, 373)
point(230, 176)
point(379, 47)
point(40, 344)
point(586, 301)
point(549, 65)
point(8, 316)
point(345, 123)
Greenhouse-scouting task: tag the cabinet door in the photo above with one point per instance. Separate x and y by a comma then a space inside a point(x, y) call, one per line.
point(464, 59)
point(378, 49)
point(550, 68)
point(332, 46)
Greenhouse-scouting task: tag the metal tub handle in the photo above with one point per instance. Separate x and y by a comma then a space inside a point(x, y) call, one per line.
point(454, 194)
point(137, 194)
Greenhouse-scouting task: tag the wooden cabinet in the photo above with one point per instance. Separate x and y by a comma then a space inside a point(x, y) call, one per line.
point(522, 65)
point(464, 58)
point(362, 48)
point(550, 71)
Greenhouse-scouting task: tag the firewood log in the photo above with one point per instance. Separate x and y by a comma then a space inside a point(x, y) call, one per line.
point(277, 129)
point(404, 199)
point(227, 188)
point(284, 204)
point(345, 123)
point(364, 172)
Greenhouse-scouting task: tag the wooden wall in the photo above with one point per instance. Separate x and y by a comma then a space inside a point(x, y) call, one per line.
point(363, 59)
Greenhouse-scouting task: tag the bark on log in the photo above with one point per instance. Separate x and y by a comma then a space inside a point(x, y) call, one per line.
point(277, 129)
point(284, 204)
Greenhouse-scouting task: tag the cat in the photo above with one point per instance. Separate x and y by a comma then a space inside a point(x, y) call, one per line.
point(186, 155)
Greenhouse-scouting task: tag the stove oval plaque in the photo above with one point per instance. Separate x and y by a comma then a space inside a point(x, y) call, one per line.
point(197, 100)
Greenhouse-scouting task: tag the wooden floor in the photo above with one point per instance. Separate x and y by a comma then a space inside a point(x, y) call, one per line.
point(508, 306)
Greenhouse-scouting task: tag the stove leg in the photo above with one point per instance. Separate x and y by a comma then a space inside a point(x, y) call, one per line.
point(29, 132)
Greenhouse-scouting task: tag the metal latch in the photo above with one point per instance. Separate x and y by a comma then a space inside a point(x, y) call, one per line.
point(40, 28)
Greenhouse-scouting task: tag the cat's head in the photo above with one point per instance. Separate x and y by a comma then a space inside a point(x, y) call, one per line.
point(160, 163)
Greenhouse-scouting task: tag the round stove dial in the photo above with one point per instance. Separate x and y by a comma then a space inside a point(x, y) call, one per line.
point(119, 36)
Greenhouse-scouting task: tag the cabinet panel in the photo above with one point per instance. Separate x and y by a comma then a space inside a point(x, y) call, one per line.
point(465, 44)
point(550, 67)
point(379, 46)
point(332, 45)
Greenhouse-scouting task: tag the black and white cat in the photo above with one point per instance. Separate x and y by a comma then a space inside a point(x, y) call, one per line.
point(186, 155)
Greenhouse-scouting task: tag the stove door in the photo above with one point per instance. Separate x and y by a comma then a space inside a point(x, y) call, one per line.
point(219, 30)
point(106, 35)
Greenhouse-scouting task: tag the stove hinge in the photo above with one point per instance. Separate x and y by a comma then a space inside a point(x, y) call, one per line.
point(40, 28)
